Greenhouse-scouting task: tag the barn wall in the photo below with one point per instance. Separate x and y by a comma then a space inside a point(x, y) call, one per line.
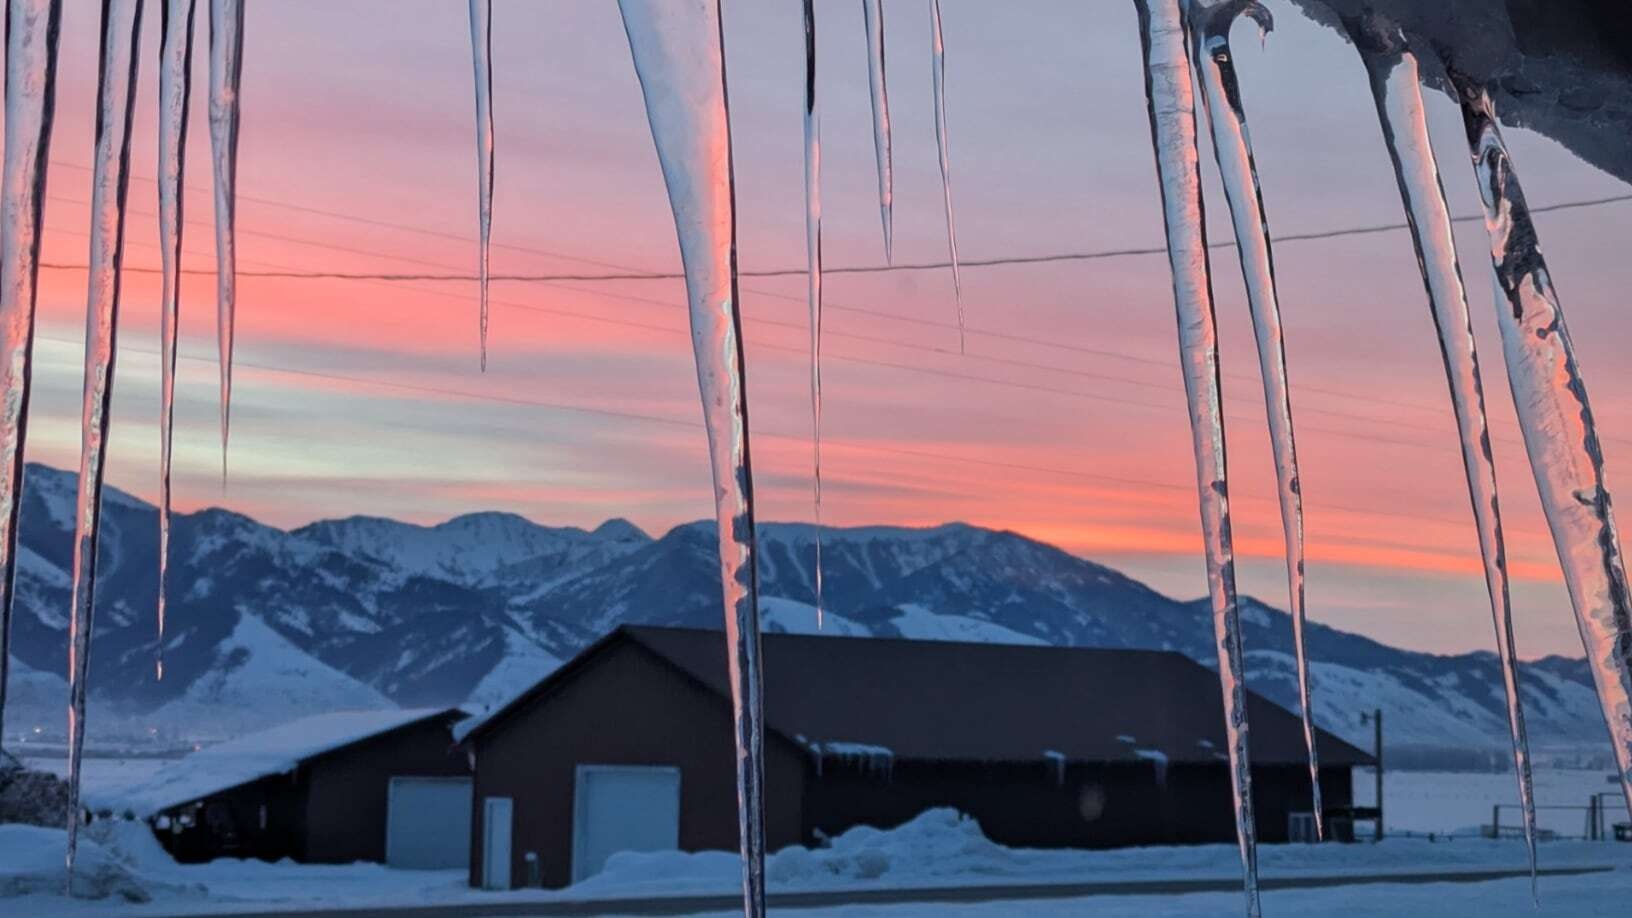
point(347, 789)
point(1015, 804)
point(624, 707)
point(228, 824)
point(1279, 791)
point(1094, 806)
point(1205, 811)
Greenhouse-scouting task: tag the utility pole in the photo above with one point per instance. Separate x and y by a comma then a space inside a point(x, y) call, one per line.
point(1377, 724)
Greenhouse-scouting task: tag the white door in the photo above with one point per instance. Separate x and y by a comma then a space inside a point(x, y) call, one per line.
point(497, 813)
point(622, 808)
point(427, 823)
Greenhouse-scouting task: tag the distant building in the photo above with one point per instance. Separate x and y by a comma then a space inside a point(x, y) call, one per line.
point(629, 747)
point(386, 786)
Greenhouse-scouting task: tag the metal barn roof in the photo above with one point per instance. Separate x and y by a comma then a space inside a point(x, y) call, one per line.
point(256, 755)
point(950, 701)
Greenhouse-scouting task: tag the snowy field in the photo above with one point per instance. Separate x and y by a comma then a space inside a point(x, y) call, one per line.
point(122, 862)
point(1460, 802)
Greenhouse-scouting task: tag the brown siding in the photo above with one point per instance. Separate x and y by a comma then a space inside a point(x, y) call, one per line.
point(1095, 806)
point(347, 789)
point(228, 824)
point(1023, 805)
point(625, 706)
point(331, 809)
point(1205, 810)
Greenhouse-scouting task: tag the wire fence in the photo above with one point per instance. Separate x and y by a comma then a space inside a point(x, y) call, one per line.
point(1602, 818)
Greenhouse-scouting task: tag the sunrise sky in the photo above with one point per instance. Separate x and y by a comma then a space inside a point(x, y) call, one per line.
point(1064, 421)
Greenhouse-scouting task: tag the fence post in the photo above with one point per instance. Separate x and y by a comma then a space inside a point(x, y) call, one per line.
point(1496, 820)
point(1377, 725)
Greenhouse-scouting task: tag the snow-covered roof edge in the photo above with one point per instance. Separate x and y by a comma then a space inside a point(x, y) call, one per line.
point(275, 750)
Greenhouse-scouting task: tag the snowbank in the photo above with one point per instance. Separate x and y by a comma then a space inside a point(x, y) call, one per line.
point(124, 865)
point(122, 870)
point(939, 845)
point(944, 848)
point(31, 863)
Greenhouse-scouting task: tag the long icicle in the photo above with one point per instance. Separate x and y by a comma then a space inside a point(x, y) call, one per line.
point(116, 102)
point(1232, 147)
point(481, 55)
point(679, 52)
point(872, 12)
point(813, 260)
point(1395, 86)
point(1170, 95)
point(1560, 435)
point(175, 93)
point(226, 66)
point(32, 28)
point(938, 72)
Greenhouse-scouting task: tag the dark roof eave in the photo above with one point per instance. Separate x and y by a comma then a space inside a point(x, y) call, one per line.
point(1336, 762)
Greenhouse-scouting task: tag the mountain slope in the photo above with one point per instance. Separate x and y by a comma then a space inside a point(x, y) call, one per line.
point(361, 612)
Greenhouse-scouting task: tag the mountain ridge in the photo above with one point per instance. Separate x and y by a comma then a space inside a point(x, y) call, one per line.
point(363, 611)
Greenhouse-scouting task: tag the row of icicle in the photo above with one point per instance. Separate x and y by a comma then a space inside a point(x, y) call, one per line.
point(1182, 38)
point(678, 52)
point(33, 28)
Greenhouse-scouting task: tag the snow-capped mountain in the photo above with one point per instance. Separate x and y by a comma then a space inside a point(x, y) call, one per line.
point(266, 624)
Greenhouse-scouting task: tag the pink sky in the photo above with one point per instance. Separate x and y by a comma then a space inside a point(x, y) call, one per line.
point(1064, 421)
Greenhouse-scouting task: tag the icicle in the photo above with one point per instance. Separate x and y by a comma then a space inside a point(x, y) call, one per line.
point(175, 91)
point(1559, 432)
point(1232, 147)
point(813, 258)
point(116, 100)
point(938, 71)
point(1394, 77)
point(481, 53)
point(1170, 94)
point(678, 49)
point(226, 66)
point(32, 28)
point(872, 11)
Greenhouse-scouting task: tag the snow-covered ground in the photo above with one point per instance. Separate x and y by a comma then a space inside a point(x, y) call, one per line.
point(939, 849)
point(1599, 896)
point(1439, 801)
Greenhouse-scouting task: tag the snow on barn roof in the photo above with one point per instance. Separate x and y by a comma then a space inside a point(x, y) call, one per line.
point(257, 755)
point(463, 728)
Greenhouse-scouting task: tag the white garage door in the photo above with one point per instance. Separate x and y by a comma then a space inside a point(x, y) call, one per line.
point(623, 808)
point(427, 823)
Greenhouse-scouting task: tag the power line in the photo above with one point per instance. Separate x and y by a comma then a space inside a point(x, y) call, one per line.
point(948, 374)
point(642, 417)
point(1095, 255)
point(951, 374)
point(389, 278)
point(630, 274)
point(451, 275)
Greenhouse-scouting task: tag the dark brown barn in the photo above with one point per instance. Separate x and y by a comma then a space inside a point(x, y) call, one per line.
point(628, 747)
point(386, 786)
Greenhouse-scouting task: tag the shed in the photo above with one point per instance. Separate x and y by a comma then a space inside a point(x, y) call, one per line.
point(629, 746)
point(388, 786)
